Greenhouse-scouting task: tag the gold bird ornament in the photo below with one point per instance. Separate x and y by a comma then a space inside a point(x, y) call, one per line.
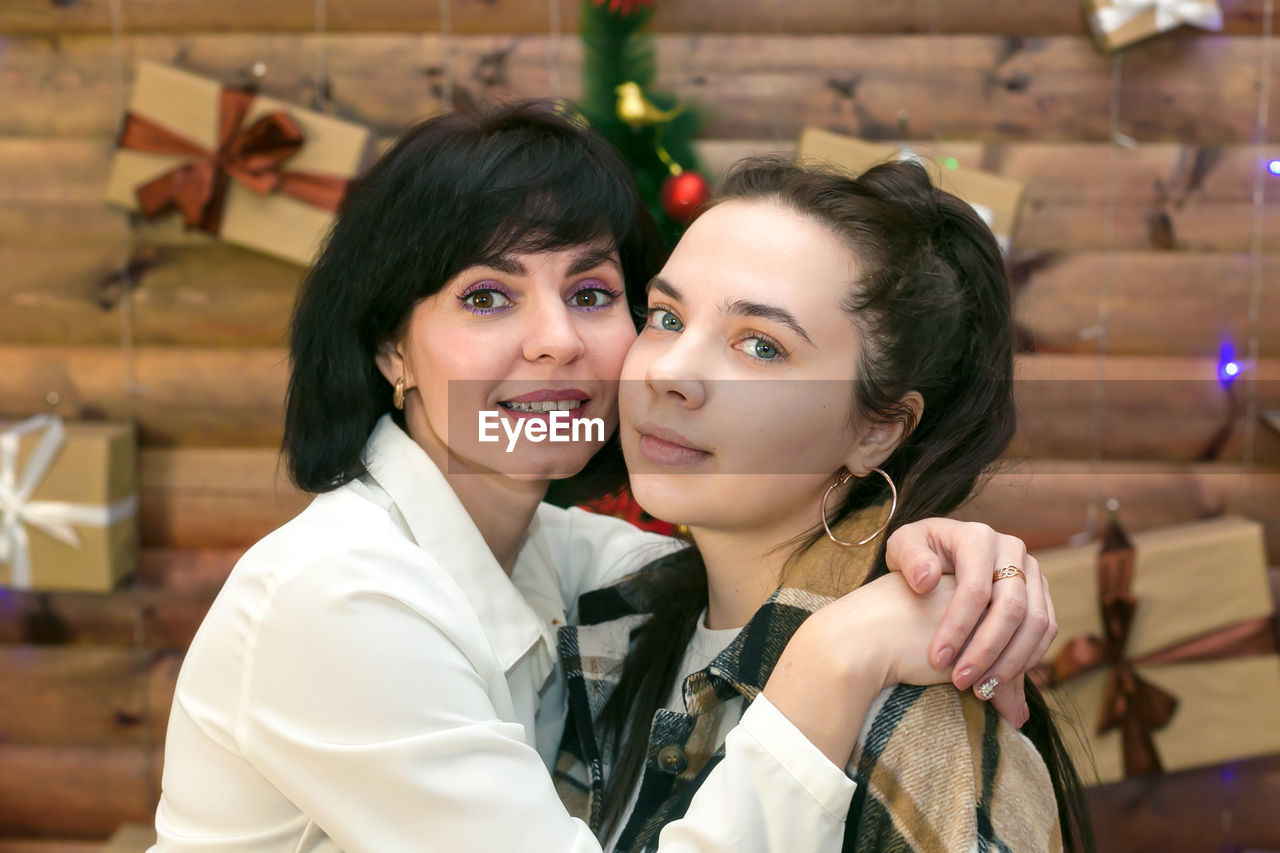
point(638, 111)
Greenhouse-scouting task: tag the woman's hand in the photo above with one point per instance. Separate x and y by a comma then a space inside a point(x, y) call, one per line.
point(848, 651)
point(1000, 630)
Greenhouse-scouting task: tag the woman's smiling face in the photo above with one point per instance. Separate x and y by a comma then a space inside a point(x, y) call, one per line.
point(744, 370)
point(512, 336)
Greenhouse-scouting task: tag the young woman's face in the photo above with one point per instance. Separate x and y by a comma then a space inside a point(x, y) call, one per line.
point(527, 334)
point(736, 396)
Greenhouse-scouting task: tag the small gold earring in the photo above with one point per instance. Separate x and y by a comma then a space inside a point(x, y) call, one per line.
point(397, 396)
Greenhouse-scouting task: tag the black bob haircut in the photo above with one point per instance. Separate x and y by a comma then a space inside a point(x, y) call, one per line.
point(453, 192)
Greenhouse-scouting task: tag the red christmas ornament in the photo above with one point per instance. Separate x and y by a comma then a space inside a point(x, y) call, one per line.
point(684, 195)
point(623, 506)
point(625, 7)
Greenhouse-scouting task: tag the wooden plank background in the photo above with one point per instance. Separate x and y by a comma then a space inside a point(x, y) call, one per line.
point(1163, 225)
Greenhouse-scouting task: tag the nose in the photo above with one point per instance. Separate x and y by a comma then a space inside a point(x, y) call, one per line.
point(551, 334)
point(673, 374)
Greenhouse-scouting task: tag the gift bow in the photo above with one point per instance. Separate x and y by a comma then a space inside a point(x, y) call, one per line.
point(1131, 703)
point(1205, 14)
point(55, 518)
point(253, 156)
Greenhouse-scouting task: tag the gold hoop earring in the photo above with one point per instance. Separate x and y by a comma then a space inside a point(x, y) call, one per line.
point(842, 478)
point(397, 396)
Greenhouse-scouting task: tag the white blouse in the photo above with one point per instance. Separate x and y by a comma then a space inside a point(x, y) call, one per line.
point(369, 679)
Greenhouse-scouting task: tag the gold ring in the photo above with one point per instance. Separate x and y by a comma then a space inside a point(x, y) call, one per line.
point(1008, 572)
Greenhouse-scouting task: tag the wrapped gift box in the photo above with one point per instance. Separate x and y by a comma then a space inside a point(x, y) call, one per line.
point(69, 495)
point(1196, 680)
point(254, 171)
point(997, 200)
point(1117, 23)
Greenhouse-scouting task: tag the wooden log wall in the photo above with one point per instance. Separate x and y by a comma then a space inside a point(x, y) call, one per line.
point(1163, 226)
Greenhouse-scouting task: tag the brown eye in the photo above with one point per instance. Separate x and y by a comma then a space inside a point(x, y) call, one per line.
point(586, 298)
point(485, 301)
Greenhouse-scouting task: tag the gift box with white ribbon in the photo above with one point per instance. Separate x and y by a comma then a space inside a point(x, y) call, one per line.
point(68, 504)
point(1118, 23)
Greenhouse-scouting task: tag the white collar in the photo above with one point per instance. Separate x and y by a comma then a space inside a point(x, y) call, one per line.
point(441, 526)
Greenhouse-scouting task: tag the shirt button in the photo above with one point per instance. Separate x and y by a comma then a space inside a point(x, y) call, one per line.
point(672, 758)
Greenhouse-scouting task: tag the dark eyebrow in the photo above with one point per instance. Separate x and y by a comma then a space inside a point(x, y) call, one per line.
point(593, 258)
point(587, 260)
point(743, 308)
point(663, 286)
point(503, 263)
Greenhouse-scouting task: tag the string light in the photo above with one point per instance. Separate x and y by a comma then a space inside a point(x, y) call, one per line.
point(1229, 369)
point(1254, 320)
point(553, 50)
point(139, 648)
point(446, 52)
point(1273, 166)
point(320, 93)
point(1093, 512)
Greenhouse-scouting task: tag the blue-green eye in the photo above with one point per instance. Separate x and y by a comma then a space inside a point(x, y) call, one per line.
point(760, 348)
point(661, 318)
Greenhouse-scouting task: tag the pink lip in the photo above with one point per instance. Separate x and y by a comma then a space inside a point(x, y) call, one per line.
point(668, 447)
point(542, 395)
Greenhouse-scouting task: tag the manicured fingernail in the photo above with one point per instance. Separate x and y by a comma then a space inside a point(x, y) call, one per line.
point(965, 678)
point(944, 658)
point(987, 689)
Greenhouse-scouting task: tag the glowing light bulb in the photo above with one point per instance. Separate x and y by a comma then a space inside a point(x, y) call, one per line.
point(1228, 368)
point(1274, 167)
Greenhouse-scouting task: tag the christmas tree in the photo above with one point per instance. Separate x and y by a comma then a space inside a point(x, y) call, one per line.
point(651, 129)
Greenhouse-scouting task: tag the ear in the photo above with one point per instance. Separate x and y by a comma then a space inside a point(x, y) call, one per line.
point(391, 363)
point(881, 440)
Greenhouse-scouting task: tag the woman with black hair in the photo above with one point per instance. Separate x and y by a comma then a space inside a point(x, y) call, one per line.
point(380, 673)
point(837, 354)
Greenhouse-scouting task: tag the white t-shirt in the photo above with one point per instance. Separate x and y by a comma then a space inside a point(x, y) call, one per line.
point(703, 648)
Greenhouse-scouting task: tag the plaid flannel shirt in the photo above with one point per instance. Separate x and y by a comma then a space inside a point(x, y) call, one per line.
point(936, 769)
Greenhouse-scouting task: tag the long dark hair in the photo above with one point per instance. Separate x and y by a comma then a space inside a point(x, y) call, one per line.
point(933, 309)
point(454, 191)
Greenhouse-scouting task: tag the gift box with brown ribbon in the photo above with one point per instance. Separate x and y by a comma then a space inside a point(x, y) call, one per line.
point(1118, 23)
point(249, 169)
point(68, 504)
point(996, 199)
point(1166, 647)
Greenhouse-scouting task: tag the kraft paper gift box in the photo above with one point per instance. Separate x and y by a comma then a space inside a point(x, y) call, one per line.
point(252, 170)
point(1186, 673)
point(997, 200)
point(68, 504)
point(1118, 23)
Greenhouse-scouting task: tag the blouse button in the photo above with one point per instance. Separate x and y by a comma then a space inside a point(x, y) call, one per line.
point(672, 758)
